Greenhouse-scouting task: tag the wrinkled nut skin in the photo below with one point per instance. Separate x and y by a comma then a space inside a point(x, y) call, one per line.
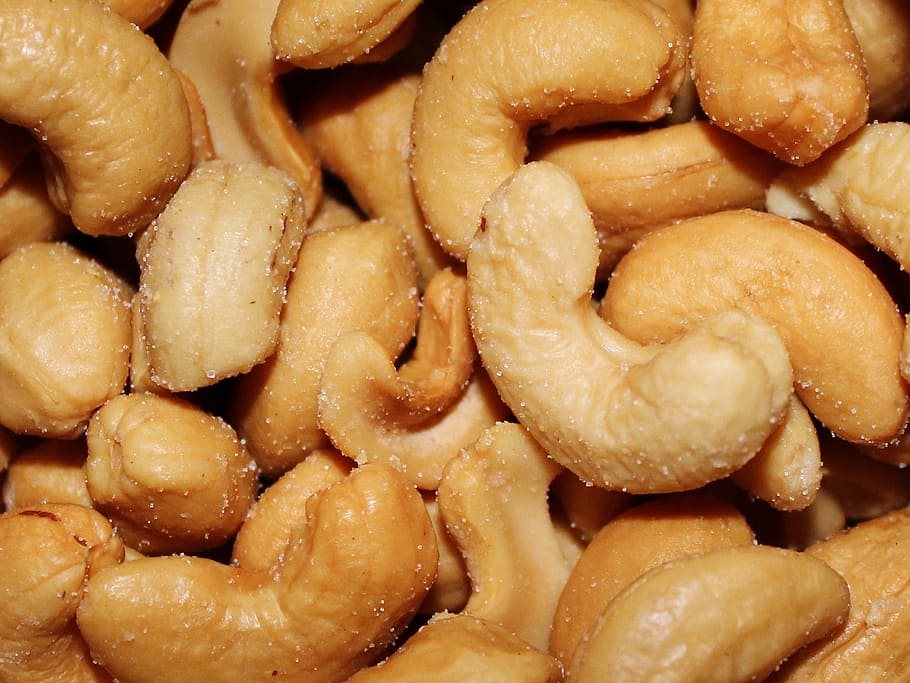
point(47, 553)
point(213, 273)
point(758, 603)
point(461, 648)
point(105, 106)
point(873, 643)
point(64, 339)
point(637, 540)
point(357, 277)
point(50, 471)
point(786, 75)
point(351, 579)
point(618, 414)
point(475, 104)
point(841, 327)
point(172, 477)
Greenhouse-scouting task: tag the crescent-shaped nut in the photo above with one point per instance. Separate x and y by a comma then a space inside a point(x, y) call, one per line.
point(47, 552)
point(50, 471)
point(213, 272)
point(350, 581)
point(223, 48)
point(105, 105)
point(788, 75)
point(321, 34)
point(841, 327)
point(64, 339)
point(618, 414)
point(758, 603)
point(475, 104)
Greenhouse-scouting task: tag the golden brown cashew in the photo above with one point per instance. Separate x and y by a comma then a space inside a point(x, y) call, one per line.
point(143, 13)
point(476, 103)
point(840, 325)
point(223, 47)
point(47, 554)
point(758, 603)
point(786, 75)
point(105, 105)
point(320, 34)
point(458, 648)
point(214, 268)
point(493, 499)
point(350, 580)
point(618, 414)
point(50, 471)
point(64, 339)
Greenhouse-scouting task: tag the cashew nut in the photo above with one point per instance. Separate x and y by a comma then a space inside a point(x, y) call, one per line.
point(143, 13)
point(50, 471)
point(350, 580)
point(104, 104)
point(618, 414)
point(786, 75)
point(586, 508)
point(475, 104)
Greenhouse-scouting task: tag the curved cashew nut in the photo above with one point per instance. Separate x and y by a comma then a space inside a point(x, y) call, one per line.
point(840, 325)
point(618, 414)
point(493, 499)
point(47, 552)
point(788, 597)
point(806, 87)
point(316, 34)
point(475, 105)
point(349, 582)
point(51, 471)
point(223, 47)
point(171, 477)
point(104, 103)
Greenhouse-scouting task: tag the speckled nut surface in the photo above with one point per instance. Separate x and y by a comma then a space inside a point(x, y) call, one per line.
point(214, 269)
point(475, 105)
point(351, 578)
point(758, 603)
point(357, 277)
point(841, 327)
point(50, 471)
point(320, 34)
point(619, 414)
point(105, 105)
point(786, 75)
point(47, 553)
point(461, 649)
point(172, 477)
point(64, 339)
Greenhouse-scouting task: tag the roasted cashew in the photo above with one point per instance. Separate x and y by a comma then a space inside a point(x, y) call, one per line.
point(320, 34)
point(214, 268)
point(635, 182)
point(618, 414)
point(50, 471)
point(47, 553)
point(143, 13)
point(357, 277)
point(350, 580)
point(458, 648)
point(223, 47)
point(475, 104)
point(493, 499)
point(840, 325)
point(171, 477)
point(641, 538)
point(787, 75)
point(105, 105)
point(586, 508)
point(64, 339)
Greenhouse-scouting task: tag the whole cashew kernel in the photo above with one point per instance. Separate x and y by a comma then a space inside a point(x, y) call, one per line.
point(475, 105)
point(105, 105)
point(50, 471)
point(786, 75)
point(758, 603)
point(619, 414)
point(351, 579)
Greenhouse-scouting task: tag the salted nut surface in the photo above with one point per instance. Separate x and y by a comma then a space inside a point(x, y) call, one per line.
point(495, 341)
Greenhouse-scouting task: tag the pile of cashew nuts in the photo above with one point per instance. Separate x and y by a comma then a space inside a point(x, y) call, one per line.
point(502, 340)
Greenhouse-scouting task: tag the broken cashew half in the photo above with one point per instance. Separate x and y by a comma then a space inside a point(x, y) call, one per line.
point(619, 414)
point(105, 106)
point(475, 105)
